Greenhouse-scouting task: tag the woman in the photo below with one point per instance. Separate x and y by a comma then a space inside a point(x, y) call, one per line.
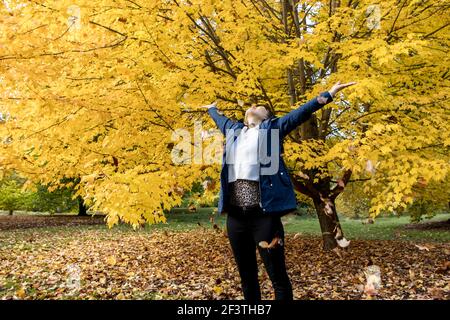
point(256, 201)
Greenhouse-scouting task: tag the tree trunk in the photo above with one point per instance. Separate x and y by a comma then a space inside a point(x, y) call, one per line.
point(298, 78)
point(329, 222)
point(10, 212)
point(82, 209)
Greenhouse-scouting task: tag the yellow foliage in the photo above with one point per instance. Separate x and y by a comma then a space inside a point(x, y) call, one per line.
point(96, 91)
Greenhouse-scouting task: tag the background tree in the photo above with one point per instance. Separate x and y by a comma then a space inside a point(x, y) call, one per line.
point(12, 197)
point(110, 84)
point(429, 199)
point(57, 201)
point(353, 201)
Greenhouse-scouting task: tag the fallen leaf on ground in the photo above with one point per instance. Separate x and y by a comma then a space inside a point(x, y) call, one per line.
point(297, 235)
point(156, 264)
point(424, 247)
point(111, 260)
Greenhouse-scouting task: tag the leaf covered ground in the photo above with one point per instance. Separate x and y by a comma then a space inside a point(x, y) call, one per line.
point(44, 263)
point(35, 221)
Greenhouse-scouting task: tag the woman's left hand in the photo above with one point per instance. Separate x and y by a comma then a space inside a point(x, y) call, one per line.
point(338, 87)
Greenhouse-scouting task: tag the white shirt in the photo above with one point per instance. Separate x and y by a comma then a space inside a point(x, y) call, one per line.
point(243, 161)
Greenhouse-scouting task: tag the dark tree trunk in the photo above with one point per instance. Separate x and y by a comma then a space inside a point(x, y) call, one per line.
point(298, 78)
point(82, 209)
point(324, 198)
point(329, 222)
point(10, 212)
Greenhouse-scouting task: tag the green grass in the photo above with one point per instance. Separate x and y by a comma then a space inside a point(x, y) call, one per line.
point(384, 228)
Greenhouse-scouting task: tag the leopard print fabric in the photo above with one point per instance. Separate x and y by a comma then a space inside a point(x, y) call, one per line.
point(244, 193)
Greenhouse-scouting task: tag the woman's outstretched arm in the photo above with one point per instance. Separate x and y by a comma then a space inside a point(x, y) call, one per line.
point(296, 117)
point(222, 122)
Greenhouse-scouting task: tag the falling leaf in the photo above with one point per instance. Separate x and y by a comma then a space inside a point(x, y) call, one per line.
point(338, 252)
point(328, 208)
point(275, 241)
point(370, 167)
point(343, 243)
point(264, 244)
point(297, 235)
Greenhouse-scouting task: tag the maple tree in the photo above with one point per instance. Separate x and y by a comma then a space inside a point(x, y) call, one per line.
point(95, 93)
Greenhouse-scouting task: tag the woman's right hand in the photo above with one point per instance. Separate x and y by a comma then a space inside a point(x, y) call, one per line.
point(214, 104)
point(338, 87)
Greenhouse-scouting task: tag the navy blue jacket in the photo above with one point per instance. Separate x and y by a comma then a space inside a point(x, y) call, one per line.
point(276, 190)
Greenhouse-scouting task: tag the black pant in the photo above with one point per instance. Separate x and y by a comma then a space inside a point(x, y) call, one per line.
point(245, 231)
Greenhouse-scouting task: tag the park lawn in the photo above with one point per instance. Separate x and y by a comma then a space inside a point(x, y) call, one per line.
point(384, 228)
